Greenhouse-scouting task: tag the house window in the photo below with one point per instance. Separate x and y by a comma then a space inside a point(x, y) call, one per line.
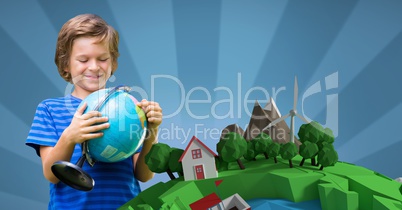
point(196, 153)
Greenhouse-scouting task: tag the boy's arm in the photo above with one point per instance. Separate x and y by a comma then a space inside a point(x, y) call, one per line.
point(141, 171)
point(83, 127)
point(154, 114)
point(61, 151)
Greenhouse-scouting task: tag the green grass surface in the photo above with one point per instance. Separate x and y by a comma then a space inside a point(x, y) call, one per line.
point(343, 186)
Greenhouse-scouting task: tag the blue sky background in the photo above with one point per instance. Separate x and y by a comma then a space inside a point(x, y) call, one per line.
point(225, 54)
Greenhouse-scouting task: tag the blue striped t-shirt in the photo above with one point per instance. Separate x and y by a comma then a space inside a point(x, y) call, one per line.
point(115, 183)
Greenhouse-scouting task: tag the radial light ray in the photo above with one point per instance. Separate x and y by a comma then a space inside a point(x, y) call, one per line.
point(374, 92)
point(14, 140)
point(32, 31)
point(377, 136)
point(385, 161)
point(17, 177)
point(361, 39)
point(9, 201)
point(19, 79)
point(148, 31)
point(197, 27)
point(197, 39)
point(305, 32)
point(246, 33)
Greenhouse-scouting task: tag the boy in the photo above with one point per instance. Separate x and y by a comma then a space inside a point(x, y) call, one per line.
point(86, 55)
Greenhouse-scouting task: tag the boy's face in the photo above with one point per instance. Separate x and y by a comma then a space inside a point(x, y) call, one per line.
point(90, 65)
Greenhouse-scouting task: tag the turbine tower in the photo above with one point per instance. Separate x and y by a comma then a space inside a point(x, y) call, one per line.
point(292, 113)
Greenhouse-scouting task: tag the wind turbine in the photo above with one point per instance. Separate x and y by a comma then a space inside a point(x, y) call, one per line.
point(292, 113)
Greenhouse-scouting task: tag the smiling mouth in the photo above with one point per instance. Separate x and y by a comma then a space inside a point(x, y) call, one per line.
point(93, 77)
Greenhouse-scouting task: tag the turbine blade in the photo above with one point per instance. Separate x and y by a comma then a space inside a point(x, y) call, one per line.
point(280, 119)
point(295, 95)
point(292, 129)
point(302, 118)
point(276, 121)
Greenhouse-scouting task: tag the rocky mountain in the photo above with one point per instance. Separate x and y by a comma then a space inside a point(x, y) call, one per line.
point(261, 117)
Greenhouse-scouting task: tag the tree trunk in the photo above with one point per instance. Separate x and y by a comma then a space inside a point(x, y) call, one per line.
point(266, 155)
point(276, 160)
point(171, 176)
point(240, 164)
point(322, 167)
point(313, 161)
point(290, 163)
point(302, 162)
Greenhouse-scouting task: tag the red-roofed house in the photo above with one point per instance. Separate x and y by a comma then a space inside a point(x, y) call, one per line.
point(206, 202)
point(213, 202)
point(198, 161)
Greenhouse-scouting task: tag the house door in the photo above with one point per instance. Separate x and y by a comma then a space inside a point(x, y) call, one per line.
point(199, 172)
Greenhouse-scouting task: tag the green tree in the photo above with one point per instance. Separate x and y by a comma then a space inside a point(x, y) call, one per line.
point(302, 133)
point(327, 138)
point(307, 150)
point(232, 147)
point(273, 150)
point(322, 145)
point(327, 157)
point(250, 153)
point(220, 164)
point(157, 159)
point(262, 141)
point(312, 132)
point(288, 151)
point(174, 164)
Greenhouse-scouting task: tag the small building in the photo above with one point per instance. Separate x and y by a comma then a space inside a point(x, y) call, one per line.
point(198, 161)
point(213, 202)
point(206, 202)
point(234, 202)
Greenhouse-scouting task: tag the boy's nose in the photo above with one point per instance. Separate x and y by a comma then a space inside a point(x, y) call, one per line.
point(93, 65)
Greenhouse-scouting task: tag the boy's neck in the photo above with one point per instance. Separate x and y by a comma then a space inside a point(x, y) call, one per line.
point(80, 94)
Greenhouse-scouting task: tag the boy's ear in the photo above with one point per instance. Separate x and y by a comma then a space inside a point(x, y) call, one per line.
point(67, 70)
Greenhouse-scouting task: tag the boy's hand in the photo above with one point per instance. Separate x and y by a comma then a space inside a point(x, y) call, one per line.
point(83, 126)
point(153, 112)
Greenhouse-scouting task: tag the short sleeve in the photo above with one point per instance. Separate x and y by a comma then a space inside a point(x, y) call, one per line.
point(43, 130)
point(138, 150)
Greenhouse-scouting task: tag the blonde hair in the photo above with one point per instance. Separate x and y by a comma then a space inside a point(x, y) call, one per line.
point(85, 25)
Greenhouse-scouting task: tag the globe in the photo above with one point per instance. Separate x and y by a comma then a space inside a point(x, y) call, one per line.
point(127, 128)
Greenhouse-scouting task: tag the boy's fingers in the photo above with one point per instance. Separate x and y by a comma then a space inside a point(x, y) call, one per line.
point(81, 109)
point(91, 114)
point(90, 136)
point(155, 107)
point(154, 110)
point(155, 120)
point(95, 120)
point(95, 130)
point(143, 103)
point(153, 113)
